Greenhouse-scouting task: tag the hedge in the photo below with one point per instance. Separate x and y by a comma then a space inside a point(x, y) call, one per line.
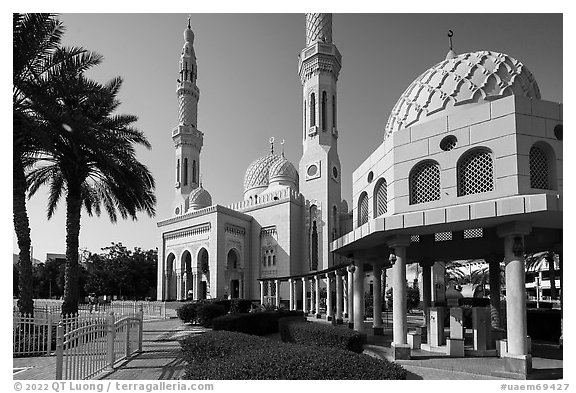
point(309, 333)
point(257, 323)
point(200, 312)
point(231, 355)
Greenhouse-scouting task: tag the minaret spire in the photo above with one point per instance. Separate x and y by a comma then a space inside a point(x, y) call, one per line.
point(451, 54)
point(188, 140)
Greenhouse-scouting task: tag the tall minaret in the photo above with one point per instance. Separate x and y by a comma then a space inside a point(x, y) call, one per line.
point(188, 140)
point(319, 66)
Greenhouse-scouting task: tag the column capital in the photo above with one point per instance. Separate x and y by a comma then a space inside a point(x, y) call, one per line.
point(398, 241)
point(515, 228)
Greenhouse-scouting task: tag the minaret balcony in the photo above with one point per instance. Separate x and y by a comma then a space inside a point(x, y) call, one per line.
point(313, 131)
point(322, 50)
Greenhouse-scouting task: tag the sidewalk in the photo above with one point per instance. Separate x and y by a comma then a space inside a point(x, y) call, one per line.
point(160, 358)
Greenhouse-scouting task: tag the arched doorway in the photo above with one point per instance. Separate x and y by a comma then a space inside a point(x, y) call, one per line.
point(170, 278)
point(187, 281)
point(203, 265)
point(233, 275)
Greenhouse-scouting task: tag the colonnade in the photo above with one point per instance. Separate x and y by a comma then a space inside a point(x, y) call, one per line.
point(349, 293)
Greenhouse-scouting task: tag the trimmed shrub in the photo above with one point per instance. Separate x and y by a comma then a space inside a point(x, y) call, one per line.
point(206, 312)
point(240, 306)
point(187, 312)
point(257, 323)
point(230, 355)
point(309, 333)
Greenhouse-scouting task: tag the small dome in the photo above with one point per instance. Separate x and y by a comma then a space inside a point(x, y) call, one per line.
point(257, 173)
point(284, 170)
point(199, 198)
point(464, 79)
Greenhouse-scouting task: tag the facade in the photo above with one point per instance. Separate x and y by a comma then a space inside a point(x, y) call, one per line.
point(288, 216)
point(470, 167)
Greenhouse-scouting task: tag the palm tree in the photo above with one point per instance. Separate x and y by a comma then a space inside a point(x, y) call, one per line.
point(36, 55)
point(92, 159)
point(534, 262)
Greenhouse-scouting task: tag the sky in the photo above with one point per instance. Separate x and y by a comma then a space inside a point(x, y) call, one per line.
point(250, 91)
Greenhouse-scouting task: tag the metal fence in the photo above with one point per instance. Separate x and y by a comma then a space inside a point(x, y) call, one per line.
point(91, 348)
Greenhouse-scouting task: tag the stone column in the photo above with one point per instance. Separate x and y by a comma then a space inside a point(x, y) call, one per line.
point(277, 293)
point(312, 294)
point(329, 305)
point(262, 292)
point(345, 295)
point(178, 285)
point(400, 326)
point(241, 292)
point(317, 290)
point(186, 286)
point(377, 324)
point(168, 276)
point(494, 280)
point(518, 359)
point(339, 298)
point(359, 297)
point(351, 270)
point(291, 293)
point(197, 285)
point(561, 272)
point(304, 308)
point(426, 286)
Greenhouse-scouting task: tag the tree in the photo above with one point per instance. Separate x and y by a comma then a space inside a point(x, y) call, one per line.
point(534, 262)
point(36, 55)
point(92, 159)
point(119, 271)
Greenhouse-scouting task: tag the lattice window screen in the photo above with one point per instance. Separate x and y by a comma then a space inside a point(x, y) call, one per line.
point(415, 238)
point(272, 288)
point(475, 173)
point(442, 236)
point(363, 209)
point(381, 198)
point(473, 233)
point(425, 183)
point(539, 174)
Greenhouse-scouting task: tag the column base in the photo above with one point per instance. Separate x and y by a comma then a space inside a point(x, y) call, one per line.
point(455, 347)
point(339, 321)
point(519, 364)
point(378, 331)
point(350, 325)
point(318, 316)
point(400, 351)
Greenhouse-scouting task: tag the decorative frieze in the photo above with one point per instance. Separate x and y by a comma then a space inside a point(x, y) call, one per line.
point(188, 232)
point(234, 230)
point(268, 231)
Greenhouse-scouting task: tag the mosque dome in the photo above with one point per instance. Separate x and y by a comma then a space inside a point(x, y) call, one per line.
point(463, 79)
point(257, 173)
point(199, 198)
point(282, 169)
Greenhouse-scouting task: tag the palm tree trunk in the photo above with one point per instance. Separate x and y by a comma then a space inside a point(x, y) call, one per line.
point(73, 209)
point(22, 229)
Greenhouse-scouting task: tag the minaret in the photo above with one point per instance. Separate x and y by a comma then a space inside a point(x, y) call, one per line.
point(188, 140)
point(319, 66)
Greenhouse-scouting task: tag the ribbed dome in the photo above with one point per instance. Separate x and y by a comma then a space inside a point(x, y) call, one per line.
point(283, 169)
point(257, 173)
point(199, 198)
point(464, 79)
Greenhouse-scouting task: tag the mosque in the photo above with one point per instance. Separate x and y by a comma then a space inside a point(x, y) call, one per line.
point(470, 167)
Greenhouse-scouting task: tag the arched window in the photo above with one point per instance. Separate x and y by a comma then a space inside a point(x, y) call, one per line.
point(540, 169)
point(313, 238)
point(273, 260)
point(178, 170)
point(185, 171)
point(333, 111)
point(380, 198)
point(232, 259)
point(475, 172)
point(194, 178)
point(312, 110)
point(363, 209)
point(305, 118)
point(424, 182)
point(324, 103)
point(334, 223)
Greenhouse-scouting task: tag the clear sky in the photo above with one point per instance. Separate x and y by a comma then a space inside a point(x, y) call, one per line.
point(250, 90)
